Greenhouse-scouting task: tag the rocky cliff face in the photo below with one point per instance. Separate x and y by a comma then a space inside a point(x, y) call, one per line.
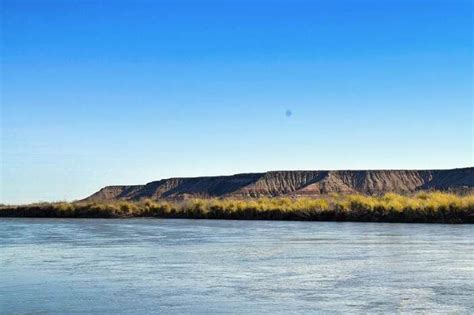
point(295, 183)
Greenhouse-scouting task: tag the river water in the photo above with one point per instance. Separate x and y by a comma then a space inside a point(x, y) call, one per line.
point(138, 266)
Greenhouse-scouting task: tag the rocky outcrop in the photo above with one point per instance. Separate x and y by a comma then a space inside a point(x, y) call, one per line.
point(116, 193)
point(295, 183)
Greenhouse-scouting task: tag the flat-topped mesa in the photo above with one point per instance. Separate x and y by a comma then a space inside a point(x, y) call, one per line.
point(295, 183)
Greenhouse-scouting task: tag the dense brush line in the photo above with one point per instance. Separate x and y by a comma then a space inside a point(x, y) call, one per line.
point(435, 207)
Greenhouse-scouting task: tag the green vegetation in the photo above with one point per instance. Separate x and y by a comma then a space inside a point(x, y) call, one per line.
point(434, 207)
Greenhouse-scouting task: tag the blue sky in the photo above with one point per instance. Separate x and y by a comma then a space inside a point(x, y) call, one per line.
point(95, 93)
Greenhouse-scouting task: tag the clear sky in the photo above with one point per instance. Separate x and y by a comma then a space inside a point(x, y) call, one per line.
point(95, 93)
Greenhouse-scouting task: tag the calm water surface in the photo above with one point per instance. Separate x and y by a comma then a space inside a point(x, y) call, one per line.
point(63, 266)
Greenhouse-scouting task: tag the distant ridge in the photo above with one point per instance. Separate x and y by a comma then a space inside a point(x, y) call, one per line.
point(295, 183)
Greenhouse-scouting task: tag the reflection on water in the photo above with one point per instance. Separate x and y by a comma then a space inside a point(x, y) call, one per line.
point(67, 266)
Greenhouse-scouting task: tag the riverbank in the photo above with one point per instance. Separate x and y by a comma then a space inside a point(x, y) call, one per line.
point(420, 208)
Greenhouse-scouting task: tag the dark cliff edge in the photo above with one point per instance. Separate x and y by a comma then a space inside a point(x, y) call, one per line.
point(295, 183)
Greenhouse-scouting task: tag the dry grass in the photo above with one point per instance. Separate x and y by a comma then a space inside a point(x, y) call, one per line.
point(423, 207)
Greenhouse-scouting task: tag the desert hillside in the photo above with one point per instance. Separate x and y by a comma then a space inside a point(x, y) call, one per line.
point(295, 183)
